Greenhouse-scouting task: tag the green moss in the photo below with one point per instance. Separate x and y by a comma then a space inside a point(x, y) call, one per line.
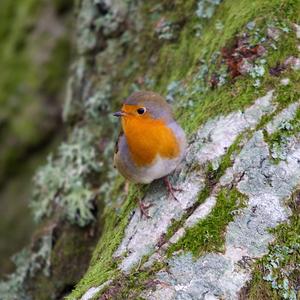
point(28, 80)
point(137, 281)
point(130, 287)
point(239, 94)
point(284, 96)
point(291, 93)
point(13, 39)
point(260, 289)
point(175, 225)
point(189, 52)
point(57, 68)
point(208, 234)
point(103, 266)
point(15, 22)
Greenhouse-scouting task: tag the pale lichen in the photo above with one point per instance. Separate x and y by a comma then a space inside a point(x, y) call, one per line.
point(175, 91)
point(27, 266)
point(206, 8)
point(278, 273)
point(165, 30)
point(62, 182)
point(98, 103)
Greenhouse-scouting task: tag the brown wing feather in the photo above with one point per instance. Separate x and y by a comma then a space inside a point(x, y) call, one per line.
point(117, 141)
point(117, 146)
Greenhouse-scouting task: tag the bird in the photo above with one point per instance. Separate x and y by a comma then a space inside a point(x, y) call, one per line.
point(151, 143)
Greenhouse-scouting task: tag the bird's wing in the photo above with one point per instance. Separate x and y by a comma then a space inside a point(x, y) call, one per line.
point(118, 140)
point(116, 154)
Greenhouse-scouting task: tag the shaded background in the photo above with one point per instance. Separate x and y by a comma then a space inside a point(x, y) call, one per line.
point(35, 52)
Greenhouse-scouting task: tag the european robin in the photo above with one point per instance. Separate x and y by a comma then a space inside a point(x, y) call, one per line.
point(151, 144)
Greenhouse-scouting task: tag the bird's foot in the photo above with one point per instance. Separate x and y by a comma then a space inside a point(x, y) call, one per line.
point(144, 209)
point(153, 282)
point(171, 189)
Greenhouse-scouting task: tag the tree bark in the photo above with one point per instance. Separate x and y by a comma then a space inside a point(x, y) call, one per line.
point(230, 69)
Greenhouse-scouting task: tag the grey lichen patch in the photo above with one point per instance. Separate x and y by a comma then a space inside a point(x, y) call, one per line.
point(276, 275)
point(62, 181)
point(27, 265)
point(112, 15)
point(218, 134)
point(285, 81)
point(165, 30)
point(282, 132)
point(72, 104)
point(87, 39)
point(142, 236)
point(280, 148)
point(206, 278)
point(215, 276)
point(266, 185)
point(98, 103)
point(206, 8)
point(284, 116)
point(97, 20)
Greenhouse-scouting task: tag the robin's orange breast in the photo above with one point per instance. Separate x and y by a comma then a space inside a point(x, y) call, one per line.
point(147, 138)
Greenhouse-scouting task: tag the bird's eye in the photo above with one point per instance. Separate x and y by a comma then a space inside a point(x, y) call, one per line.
point(141, 110)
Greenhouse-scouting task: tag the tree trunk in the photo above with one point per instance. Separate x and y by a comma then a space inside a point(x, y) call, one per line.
point(230, 69)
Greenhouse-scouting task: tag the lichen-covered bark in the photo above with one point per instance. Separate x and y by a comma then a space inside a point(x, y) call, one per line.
point(231, 71)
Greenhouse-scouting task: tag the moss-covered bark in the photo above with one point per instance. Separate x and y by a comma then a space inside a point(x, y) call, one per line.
point(221, 64)
point(34, 57)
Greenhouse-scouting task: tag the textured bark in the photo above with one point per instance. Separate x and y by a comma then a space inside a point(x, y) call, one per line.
point(161, 247)
point(231, 71)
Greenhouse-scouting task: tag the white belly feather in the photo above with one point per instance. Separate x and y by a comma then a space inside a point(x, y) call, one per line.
point(160, 168)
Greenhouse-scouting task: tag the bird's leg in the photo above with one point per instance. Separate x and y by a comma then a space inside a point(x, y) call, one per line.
point(144, 209)
point(170, 188)
point(126, 187)
point(143, 206)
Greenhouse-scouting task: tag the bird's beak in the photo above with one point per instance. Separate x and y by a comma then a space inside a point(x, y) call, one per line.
point(119, 114)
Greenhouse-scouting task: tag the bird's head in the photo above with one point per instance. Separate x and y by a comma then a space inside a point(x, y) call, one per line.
point(145, 105)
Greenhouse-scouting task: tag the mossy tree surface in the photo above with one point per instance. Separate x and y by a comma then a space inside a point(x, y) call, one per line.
point(175, 48)
point(34, 58)
point(181, 59)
